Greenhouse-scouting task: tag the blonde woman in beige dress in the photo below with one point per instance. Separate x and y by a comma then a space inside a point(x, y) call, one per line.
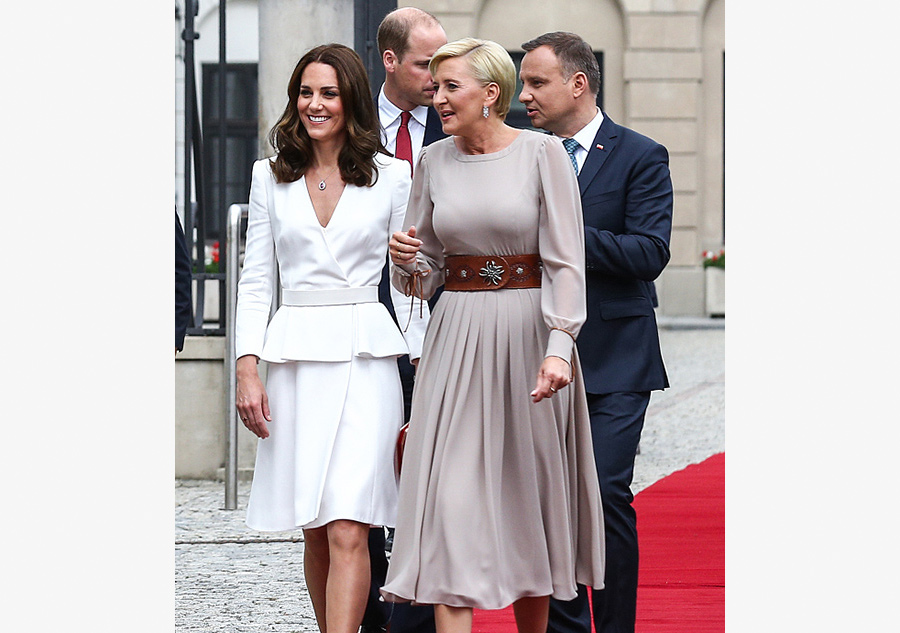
point(499, 500)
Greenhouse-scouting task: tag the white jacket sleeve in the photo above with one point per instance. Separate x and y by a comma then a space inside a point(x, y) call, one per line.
point(256, 285)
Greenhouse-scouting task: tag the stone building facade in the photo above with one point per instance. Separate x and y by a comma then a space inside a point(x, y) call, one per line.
point(663, 68)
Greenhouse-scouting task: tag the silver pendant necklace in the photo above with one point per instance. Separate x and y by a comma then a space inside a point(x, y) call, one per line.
point(322, 184)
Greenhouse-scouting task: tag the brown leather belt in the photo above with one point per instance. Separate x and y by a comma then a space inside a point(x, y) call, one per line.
point(491, 272)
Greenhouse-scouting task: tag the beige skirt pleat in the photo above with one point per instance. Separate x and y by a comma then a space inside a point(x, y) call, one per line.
point(498, 495)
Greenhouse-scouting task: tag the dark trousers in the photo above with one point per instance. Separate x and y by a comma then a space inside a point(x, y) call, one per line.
point(403, 617)
point(377, 613)
point(616, 423)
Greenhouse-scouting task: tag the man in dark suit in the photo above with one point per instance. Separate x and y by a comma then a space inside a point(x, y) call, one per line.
point(407, 38)
point(182, 286)
point(626, 196)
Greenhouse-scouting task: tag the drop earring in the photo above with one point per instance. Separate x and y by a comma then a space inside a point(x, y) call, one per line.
point(485, 111)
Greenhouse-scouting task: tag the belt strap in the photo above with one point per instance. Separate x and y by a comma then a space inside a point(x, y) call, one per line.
point(492, 272)
point(329, 296)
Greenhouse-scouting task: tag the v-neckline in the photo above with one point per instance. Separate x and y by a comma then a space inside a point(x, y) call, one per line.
point(313, 204)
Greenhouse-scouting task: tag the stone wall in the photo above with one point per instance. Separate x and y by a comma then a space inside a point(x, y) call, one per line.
point(201, 424)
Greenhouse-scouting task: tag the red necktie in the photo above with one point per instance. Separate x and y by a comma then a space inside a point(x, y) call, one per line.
point(404, 144)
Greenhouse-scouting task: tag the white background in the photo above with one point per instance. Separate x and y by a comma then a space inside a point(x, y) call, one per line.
point(811, 179)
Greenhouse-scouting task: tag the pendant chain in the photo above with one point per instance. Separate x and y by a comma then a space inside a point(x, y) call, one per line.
point(322, 184)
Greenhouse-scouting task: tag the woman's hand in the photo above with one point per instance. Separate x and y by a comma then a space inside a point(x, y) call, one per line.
point(252, 402)
point(403, 247)
point(554, 374)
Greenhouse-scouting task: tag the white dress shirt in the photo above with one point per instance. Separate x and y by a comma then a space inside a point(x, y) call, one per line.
point(389, 116)
point(585, 138)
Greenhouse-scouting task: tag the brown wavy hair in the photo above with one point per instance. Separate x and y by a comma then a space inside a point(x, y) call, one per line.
point(291, 141)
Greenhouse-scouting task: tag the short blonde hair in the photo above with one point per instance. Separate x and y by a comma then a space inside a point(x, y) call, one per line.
point(489, 63)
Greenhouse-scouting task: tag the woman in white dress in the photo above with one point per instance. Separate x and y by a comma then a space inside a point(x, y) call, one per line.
point(321, 213)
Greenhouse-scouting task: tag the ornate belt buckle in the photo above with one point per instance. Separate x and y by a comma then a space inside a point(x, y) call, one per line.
point(495, 272)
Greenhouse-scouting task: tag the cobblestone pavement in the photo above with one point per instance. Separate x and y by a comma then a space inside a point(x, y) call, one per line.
point(229, 578)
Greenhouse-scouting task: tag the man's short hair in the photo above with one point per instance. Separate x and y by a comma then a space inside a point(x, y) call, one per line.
point(394, 30)
point(574, 55)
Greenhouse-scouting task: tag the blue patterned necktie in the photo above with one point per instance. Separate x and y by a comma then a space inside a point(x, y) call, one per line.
point(571, 144)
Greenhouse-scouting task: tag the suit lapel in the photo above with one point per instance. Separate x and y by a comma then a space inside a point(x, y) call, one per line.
point(603, 146)
point(434, 131)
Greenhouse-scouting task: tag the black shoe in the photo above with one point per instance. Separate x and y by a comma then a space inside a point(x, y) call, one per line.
point(372, 628)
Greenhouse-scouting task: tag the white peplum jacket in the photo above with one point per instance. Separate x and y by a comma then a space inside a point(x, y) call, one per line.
point(285, 242)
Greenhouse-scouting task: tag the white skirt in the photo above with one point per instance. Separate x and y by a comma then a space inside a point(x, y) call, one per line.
point(330, 450)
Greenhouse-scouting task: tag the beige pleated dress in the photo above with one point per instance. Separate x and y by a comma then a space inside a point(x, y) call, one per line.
point(499, 497)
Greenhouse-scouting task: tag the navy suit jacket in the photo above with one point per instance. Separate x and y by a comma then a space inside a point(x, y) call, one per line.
point(626, 197)
point(434, 131)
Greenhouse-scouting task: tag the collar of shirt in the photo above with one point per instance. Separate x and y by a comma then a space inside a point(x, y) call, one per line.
point(389, 117)
point(585, 138)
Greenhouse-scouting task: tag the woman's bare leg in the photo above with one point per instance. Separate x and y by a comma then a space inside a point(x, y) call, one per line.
point(349, 576)
point(315, 570)
point(532, 614)
point(453, 619)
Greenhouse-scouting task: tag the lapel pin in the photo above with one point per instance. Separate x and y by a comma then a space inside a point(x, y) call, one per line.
point(599, 146)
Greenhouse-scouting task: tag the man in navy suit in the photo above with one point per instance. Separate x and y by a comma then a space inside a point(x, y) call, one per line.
point(407, 38)
point(626, 197)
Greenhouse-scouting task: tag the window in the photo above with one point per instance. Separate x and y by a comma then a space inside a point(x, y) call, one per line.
point(517, 117)
point(241, 145)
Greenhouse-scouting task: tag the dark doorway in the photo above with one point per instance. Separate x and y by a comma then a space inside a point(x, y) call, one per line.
point(241, 144)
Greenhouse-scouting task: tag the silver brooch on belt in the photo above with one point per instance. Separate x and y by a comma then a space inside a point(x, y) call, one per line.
point(492, 273)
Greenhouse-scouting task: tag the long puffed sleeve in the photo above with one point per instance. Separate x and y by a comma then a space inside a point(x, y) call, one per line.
point(256, 286)
point(419, 213)
point(411, 320)
point(561, 244)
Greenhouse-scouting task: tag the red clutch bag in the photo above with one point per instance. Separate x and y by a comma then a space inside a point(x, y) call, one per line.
point(398, 449)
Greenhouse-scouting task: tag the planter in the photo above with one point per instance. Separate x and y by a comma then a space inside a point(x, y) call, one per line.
point(715, 291)
point(210, 299)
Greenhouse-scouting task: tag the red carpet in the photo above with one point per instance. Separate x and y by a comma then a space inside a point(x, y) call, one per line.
point(681, 531)
point(681, 527)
